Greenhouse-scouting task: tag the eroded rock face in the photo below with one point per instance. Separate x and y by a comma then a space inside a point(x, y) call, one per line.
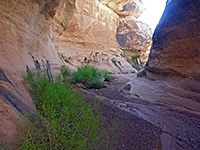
point(91, 38)
point(93, 27)
point(175, 50)
point(25, 40)
point(125, 7)
point(32, 34)
point(61, 20)
point(134, 36)
point(173, 69)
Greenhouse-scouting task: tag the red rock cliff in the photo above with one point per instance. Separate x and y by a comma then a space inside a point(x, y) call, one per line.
point(91, 36)
point(32, 35)
point(26, 39)
point(175, 50)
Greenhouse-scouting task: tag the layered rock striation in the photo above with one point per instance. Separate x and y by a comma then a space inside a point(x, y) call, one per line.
point(171, 78)
point(26, 40)
point(125, 7)
point(45, 34)
point(175, 50)
point(134, 36)
point(91, 36)
point(171, 75)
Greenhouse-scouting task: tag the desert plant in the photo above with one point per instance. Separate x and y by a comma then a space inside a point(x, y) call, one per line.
point(133, 71)
point(91, 76)
point(64, 120)
point(107, 75)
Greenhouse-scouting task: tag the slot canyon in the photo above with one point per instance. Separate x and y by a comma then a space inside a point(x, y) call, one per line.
point(155, 96)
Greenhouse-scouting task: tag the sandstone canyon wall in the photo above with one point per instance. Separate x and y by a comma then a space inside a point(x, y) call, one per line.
point(175, 50)
point(91, 36)
point(133, 35)
point(34, 31)
point(26, 39)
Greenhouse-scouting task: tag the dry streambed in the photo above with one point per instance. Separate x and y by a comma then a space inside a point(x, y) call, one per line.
point(146, 124)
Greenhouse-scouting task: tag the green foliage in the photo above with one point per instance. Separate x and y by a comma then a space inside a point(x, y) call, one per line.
point(133, 71)
point(134, 61)
point(107, 75)
point(64, 120)
point(125, 72)
point(91, 76)
point(129, 60)
point(65, 71)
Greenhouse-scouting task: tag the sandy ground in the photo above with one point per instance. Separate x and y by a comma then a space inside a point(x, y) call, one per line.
point(131, 132)
point(146, 117)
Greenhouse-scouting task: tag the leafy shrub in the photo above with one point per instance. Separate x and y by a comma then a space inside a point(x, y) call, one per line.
point(133, 71)
point(125, 72)
point(64, 121)
point(133, 60)
point(91, 76)
point(107, 75)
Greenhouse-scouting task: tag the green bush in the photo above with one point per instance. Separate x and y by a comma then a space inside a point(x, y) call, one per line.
point(91, 76)
point(64, 120)
point(133, 71)
point(107, 75)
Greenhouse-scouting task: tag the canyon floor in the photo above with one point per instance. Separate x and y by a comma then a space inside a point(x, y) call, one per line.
point(143, 122)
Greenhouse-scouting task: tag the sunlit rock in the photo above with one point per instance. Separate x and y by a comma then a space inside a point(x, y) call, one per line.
point(175, 50)
point(134, 36)
point(125, 7)
point(91, 38)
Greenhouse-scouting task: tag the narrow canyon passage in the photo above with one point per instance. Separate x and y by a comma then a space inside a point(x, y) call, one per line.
point(155, 95)
point(166, 92)
point(171, 126)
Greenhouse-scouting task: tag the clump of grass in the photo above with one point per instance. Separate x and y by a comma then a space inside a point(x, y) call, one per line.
point(64, 120)
point(129, 60)
point(125, 72)
point(133, 60)
point(91, 76)
point(133, 71)
point(136, 62)
point(107, 75)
